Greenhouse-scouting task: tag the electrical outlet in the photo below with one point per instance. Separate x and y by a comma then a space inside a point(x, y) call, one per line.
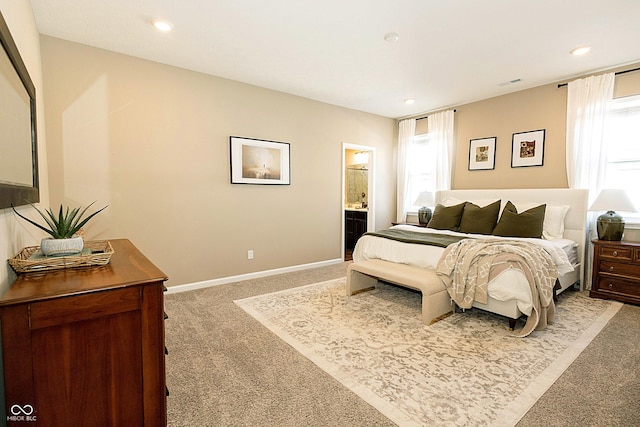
point(250, 254)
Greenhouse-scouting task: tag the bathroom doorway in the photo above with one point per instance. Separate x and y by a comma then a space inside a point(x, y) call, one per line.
point(358, 195)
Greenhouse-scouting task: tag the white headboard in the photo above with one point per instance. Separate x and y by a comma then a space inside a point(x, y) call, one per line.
point(575, 223)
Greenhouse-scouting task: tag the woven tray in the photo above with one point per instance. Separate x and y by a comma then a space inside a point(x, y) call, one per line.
point(30, 259)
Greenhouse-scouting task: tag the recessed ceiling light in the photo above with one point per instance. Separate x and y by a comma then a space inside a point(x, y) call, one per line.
point(409, 101)
point(162, 25)
point(580, 50)
point(391, 37)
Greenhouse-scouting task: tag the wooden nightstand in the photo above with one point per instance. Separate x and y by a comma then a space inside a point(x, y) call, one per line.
point(616, 271)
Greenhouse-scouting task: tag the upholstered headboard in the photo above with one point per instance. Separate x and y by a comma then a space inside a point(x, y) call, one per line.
point(575, 223)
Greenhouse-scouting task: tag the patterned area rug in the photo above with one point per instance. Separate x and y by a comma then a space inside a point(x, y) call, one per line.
point(463, 370)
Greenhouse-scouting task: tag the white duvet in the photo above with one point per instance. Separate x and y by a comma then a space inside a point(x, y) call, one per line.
point(509, 285)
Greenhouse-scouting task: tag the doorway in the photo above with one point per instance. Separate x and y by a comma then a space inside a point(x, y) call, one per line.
point(358, 195)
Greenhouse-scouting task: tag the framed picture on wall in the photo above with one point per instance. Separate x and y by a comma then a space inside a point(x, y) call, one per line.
point(258, 161)
point(482, 154)
point(527, 149)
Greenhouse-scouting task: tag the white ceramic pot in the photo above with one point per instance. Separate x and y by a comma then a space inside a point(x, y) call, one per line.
point(70, 246)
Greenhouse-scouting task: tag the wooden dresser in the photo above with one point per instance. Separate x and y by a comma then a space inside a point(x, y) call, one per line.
point(616, 271)
point(85, 346)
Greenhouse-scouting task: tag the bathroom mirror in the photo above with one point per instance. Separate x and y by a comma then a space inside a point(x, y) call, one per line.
point(357, 184)
point(18, 142)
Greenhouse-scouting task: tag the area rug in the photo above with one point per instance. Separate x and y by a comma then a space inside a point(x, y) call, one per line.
point(463, 370)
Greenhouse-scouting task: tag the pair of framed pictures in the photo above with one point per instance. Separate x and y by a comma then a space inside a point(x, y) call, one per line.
point(527, 149)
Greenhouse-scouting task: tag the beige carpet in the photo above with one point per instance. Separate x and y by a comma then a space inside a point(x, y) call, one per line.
point(463, 370)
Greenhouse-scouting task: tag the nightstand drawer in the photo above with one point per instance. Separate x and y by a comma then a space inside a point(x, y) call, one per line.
point(618, 286)
point(616, 252)
point(616, 271)
point(620, 269)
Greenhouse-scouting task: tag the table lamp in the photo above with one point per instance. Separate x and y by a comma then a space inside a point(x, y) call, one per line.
point(424, 199)
point(610, 224)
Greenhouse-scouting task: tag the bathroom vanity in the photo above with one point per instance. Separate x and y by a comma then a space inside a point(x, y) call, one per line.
point(355, 225)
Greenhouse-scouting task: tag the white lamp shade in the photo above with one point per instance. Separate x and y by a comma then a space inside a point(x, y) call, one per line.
point(425, 198)
point(613, 200)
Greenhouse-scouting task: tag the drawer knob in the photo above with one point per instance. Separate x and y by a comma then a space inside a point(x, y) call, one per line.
point(611, 268)
point(610, 285)
point(615, 253)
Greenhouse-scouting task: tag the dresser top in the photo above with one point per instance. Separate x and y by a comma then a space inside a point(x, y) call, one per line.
point(127, 267)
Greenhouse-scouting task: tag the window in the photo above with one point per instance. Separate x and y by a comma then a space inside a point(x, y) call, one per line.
point(421, 167)
point(623, 148)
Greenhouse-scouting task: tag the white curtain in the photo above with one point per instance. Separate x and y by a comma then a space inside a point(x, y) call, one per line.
point(440, 126)
point(405, 136)
point(588, 100)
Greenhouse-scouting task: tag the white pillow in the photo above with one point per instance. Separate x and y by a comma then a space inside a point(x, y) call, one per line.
point(452, 201)
point(553, 226)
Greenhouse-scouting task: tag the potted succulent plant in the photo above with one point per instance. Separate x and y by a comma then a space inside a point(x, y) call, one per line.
point(62, 228)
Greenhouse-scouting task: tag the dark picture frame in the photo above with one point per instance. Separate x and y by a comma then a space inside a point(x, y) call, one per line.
point(259, 161)
point(527, 148)
point(19, 179)
point(482, 153)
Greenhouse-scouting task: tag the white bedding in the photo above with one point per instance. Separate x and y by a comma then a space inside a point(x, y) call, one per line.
point(509, 285)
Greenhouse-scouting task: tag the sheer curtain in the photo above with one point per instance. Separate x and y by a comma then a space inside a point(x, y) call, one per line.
point(587, 102)
point(405, 136)
point(440, 126)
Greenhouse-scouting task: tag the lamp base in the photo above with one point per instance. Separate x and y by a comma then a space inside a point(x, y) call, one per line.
point(424, 216)
point(610, 226)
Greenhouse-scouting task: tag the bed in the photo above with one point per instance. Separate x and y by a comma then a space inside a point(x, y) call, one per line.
point(413, 265)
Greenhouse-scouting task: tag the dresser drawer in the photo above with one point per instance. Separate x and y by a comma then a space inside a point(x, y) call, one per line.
point(620, 268)
point(618, 286)
point(84, 307)
point(616, 252)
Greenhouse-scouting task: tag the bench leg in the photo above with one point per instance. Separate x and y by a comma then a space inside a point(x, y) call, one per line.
point(435, 305)
point(357, 281)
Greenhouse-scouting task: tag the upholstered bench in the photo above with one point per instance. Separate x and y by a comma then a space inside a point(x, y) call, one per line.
point(435, 298)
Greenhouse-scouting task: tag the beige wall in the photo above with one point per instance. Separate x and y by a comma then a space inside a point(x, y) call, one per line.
point(543, 107)
point(152, 142)
point(14, 234)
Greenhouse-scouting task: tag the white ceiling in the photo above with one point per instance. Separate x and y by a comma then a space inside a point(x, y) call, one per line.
point(450, 52)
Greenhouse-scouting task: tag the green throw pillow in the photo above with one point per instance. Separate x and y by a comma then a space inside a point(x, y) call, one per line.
point(524, 224)
point(479, 220)
point(446, 217)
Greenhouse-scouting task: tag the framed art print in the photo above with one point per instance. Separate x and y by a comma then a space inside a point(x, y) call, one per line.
point(482, 154)
point(258, 161)
point(527, 149)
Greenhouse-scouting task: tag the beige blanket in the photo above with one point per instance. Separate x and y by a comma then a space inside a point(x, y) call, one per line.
point(467, 267)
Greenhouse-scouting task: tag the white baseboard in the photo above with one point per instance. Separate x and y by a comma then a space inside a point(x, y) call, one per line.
point(248, 276)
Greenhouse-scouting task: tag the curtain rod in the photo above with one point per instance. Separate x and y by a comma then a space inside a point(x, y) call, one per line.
point(617, 74)
point(420, 118)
